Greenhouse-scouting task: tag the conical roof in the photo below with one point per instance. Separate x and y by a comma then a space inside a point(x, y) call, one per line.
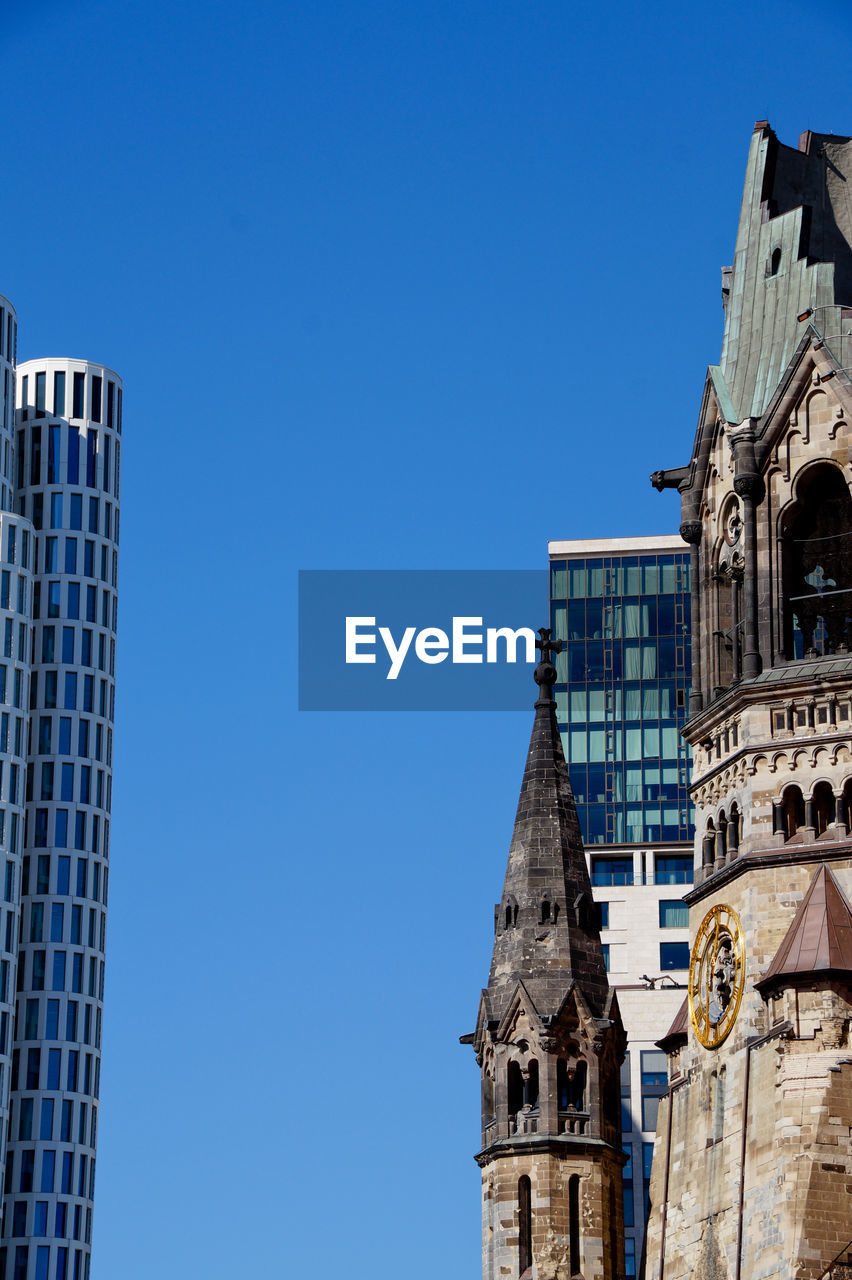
point(819, 940)
point(547, 924)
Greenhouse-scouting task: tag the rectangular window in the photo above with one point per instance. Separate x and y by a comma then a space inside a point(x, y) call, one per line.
point(79, 407)
point(91, 456)
point(48, 1171)
point(57, 921)
point(86, 648)
point(59, 395)
point(70, 691)
point(612, 871)
point(73, 1069)
point(35, 455)
point(33, 1068)
point(673, 868)
point(82, 877)
point(97, 391)
point(36, 924)
point(76, 973)
point(40, 392)
point(91, 604)
point(60, 836)
point(40, 1228)
point(47, 780)
point(73, 599)
point(46, 1120)
point(38, 975)
point(674, 955)
point(43, 873)
point(51, 1032)
point(25, 1130)
point(56, 511)
point(654, 1086)
point(110, 404)
point(88, 559)
point(76, 520)
point(45, 732)
point(674, 914)
point(88, 693)
point(67, 1173)
point(51, 558)
point(19, 1218)
point(54, 1060)
point(59, 971)
point(85, 784)
point(67, 644)
point(53, 438)
point(71, 1020)
point(63, 875)
point(31, 1020)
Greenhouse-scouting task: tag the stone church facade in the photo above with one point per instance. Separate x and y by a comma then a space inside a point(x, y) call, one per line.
point(752, 1172)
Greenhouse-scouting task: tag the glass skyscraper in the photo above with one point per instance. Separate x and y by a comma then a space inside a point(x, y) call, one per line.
point(60, 451)
point(623, 689)
point(621, 608)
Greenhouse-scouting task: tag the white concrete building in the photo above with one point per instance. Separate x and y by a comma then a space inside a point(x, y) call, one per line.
point(621, 608)
point(60, 437)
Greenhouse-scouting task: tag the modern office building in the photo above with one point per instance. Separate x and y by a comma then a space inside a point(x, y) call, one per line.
point(60, 449)
point(621, 608)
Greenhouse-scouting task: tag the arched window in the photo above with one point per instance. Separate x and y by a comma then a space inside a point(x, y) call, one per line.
point(508, 916)
point(531, 1085)
point(823, 807)
point(794, 811)
point(545, 911)
point(818, 564)
point(775, 262)
point(574, 1224)
point(524, 1227)
point(515, 1090)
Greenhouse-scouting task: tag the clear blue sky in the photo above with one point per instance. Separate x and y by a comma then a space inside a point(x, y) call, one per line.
point(390, 285)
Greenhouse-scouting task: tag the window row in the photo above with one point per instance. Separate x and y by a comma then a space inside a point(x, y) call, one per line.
point(809, 715)
point(629, 618)
point(98, 560)
point(107, 615)
point(56, 1026)
point(608, 661)
point(52, 876)
point(14, 1263)
point(13, 686)
point(669, 868)
point(64, 1172)
point(51, 921)
point(68, 970)
point(52, 1120)
point(96, 648)
point(90, 458)
point(801, 817)
point(66, 1222)
point(17, 539)
point(81, 1074)
point(85, 694)
point(58, 783)
point(75, 509)
point(77, 830)
point(673, 955)
point(646, 700)
point(57, 730)
point(87, 393)
point(663, 574)
point(25, 647)
point(674, 914)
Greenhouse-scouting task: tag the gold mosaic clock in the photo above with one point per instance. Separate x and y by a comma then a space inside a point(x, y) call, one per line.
point(716, 975)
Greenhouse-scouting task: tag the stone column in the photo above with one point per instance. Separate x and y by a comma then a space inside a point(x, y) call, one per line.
point(721, 842)
point(736, 578)
point(778, 828)
point(690, 531)
point(750, 489)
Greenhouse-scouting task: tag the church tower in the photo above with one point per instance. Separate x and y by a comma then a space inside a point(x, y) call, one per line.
point(549, 1043)
point(753, 1160)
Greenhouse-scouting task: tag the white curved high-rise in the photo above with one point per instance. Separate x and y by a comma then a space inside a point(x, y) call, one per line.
point(60, 457)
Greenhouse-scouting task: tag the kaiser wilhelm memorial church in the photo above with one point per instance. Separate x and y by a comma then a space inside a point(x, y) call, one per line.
point(752, 1164)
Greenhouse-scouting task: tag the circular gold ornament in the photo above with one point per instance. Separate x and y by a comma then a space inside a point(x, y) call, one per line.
point(716, 975)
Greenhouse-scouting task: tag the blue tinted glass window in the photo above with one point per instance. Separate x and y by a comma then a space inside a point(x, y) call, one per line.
point(674, 955)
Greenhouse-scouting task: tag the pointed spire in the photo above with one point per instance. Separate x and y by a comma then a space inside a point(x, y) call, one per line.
point(547, 930)
point(820, 938)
